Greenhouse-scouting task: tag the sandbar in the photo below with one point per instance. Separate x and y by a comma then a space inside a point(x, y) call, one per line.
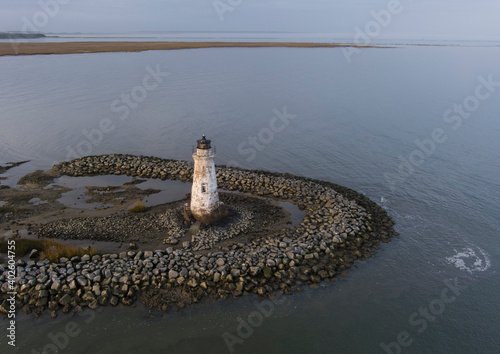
point(30, 48)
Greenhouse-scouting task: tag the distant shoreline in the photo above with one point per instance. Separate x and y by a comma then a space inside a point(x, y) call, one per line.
point(23, 48)
point(19, 35)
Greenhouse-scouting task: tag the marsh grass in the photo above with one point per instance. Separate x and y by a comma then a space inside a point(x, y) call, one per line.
point(138, 207)
point(48, 249)
point(11, 209)
point(99, 47)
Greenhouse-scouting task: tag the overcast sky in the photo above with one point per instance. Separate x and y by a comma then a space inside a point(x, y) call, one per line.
point(460, 19)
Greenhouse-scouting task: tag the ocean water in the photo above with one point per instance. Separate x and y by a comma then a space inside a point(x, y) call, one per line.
point(311, 37)
point(414, 128)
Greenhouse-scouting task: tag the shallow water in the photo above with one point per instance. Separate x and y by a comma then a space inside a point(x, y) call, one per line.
point(76, 197)
point(169, 191)
point(353, 124)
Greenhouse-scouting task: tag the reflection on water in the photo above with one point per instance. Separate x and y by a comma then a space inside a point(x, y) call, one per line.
point(296, 214)
point(76, 198)
point(170, 191)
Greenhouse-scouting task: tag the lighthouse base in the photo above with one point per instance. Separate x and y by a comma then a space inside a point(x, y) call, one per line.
point(206, 218)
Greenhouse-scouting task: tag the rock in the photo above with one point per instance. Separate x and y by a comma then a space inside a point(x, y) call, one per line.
point(315, 279)
point(81, 281)
point(65, 299)
point(127, 301)
point(254, 271)
point(217, 277)
point(172, 274)
point(267, 272)
point(271, 263)
point(56, 284)
point(103, 300)
point(4, 307)
point(96, 289)
point(88, 296)
point(239, 286)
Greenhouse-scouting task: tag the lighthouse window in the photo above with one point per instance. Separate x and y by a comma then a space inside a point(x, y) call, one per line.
point(203, 188)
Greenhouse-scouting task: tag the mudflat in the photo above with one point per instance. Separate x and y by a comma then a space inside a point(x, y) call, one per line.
point(19, 48)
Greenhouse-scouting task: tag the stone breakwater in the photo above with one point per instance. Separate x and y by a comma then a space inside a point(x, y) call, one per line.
point(208, 238)
point(339, 227)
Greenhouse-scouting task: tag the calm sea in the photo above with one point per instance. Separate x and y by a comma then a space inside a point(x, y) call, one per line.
point(414, 128)
point(245, 36)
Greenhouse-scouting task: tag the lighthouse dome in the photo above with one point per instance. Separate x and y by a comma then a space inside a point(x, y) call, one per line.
point(204, 143)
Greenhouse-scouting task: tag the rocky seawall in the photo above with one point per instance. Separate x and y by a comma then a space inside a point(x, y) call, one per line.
point(340, 227)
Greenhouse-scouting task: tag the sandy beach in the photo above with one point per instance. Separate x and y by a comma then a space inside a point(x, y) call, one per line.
point(18, 48)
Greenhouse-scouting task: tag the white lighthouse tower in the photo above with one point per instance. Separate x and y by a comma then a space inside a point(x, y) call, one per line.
point(205, 205)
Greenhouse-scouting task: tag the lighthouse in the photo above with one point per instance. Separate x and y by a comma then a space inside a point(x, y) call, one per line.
point(205, 205)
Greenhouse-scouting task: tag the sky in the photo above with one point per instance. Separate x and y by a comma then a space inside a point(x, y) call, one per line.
point(457, 19)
